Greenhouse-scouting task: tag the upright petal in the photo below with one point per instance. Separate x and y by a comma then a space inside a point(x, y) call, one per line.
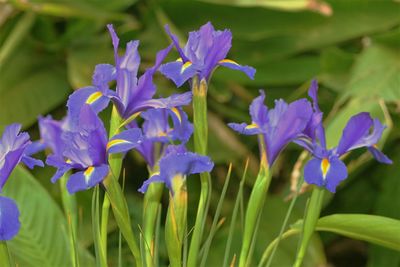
point(103, 74)
point(285, 125)
point(175, 41)
point(9, 219)
point(115, 42)
point(50, 134)
point(259, 112)
point(355, 131)
point(87, 179)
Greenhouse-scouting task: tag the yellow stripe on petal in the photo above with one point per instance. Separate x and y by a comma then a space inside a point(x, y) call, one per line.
point(325, 166)
point(88, 172)
point(177, 113)
point(228, 61)
point(185, 66)
point(93, 97)
point(179, 59)
point(252, 126)
point(116, 142)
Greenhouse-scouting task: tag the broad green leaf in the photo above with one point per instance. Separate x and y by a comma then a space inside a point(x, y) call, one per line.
point(378, 230)
point(387, 204)
point(376, 74)
point(30, 86)
point(43, 239)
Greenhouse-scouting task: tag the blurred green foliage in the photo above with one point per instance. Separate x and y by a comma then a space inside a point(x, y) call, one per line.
point(49, 48)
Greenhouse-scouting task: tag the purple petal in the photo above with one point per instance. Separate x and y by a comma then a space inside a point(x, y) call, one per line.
point(379, 156)
point(182, 128)
point(356, 129)
point(115, 42)
point(35, 147)
point(153, 179)
point(59, 163)
point(9, 219)
point(125, 141)
point(259, 111)
point(103, 74)
point(88, 95)
point(87, 179)
point(285, 125)
point(178, 71)
point(31, 162)
point(50, 134)
point(245, 129)
point(175, 41)
point(249, 71)
point(336, 172)
point(175, 100)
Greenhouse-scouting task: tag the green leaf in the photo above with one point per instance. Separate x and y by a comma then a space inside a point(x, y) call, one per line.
point(30, 86)
point(376, 73)
point(378, 230)
point(43, 239)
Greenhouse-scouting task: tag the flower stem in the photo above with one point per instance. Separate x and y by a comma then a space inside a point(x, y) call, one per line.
point(4, 255)
point(310, 220)
point(200, 122)
point(115, 162)
point(255, 207)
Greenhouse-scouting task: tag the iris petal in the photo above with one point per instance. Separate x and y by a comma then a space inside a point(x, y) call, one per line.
point(9, 219)
point(87, 179)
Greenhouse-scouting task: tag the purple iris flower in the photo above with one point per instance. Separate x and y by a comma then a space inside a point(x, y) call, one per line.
point(178, 162)
point(13, 149)
point(278, 126)
point(205, 50)
point(86, 150)
point(158, 132)
point(325, 168)
point(133, 94)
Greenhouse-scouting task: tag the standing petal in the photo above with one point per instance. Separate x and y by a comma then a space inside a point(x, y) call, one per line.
point(9, 219)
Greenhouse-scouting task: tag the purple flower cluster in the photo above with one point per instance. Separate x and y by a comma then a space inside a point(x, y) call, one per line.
point(300, 122)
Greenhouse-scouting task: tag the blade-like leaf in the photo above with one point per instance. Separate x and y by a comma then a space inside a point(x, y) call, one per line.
point(43, 239)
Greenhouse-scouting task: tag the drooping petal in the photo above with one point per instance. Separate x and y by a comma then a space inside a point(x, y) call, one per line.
point(356, 129)
point(175, 100)
point(125, 141)
point(8, 163)
point(182, 129)
point(178, 71)
point(31, 162)
point(379, 156)
point(87, 179)
point(89, 95)
point(325, 172)
point(9, 219)
point(153, 179)
point(248, 70)
point(177, 161)
point(61, 165)
point(246, 129)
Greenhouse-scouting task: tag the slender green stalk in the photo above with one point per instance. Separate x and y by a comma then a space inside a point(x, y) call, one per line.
point(99, 249)
point(234, 216)
point(276, 244)
point(214, 225)
point(121, 214)
point(200, 122)
point(175, 225)
point(69, 205)
point(18, 33)
point(255, 207)
point(115, 162)
point(4, 255)
point(151, 204)
point(310, 221)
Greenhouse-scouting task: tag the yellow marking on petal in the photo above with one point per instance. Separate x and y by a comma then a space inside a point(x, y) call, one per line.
point(179, 59)
point(375, 146)
point(116, 142)
point(93, 97)
point(185, 66)
point(88, 172)
point(68, 161)
point(325, 166)
point(130, 119)
point(161, 134)
point(177, 113)
point(252, 126)
point(228, 61)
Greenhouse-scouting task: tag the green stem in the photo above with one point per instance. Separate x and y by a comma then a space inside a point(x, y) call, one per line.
point(4, 255)
point(115, 162)
point(200, 122)
point(310, 221)
point(151, 204)
point(255, 207)
point(70, 210)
